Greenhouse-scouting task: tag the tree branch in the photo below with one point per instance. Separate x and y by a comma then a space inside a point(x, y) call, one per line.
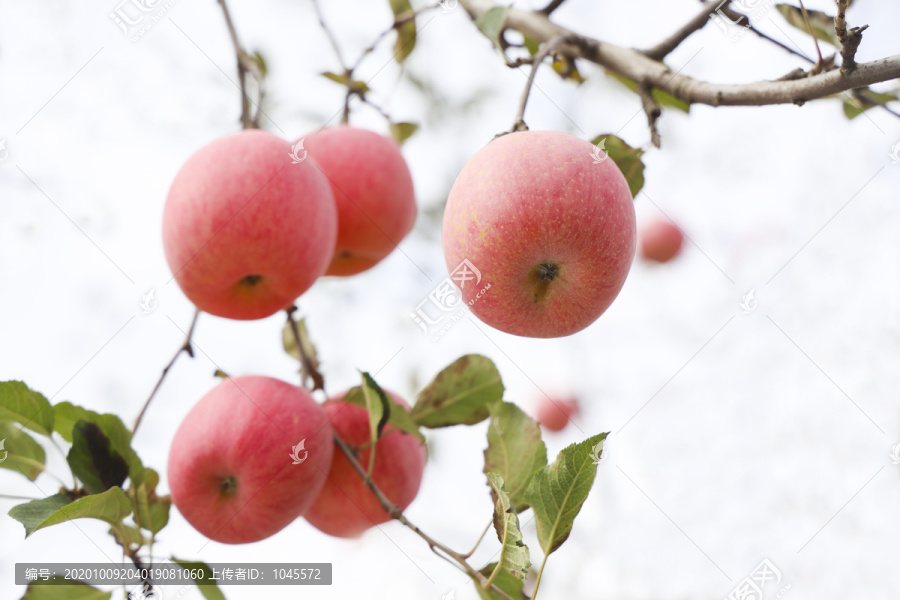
point(849, 40)
point(187, 348)
point(392, 509)
point(246, 65)
point(637, 66)
point(662, 49)
point(395, 513)
point(653, 111)
point(553, 5)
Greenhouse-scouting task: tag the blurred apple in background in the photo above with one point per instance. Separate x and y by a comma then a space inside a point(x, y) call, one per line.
point(555, 413)
point(661, 241)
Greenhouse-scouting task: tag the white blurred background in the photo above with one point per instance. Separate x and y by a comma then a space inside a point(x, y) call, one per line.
point(734, 437)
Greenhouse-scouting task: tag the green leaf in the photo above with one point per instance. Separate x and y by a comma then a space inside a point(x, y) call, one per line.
point(209, 590)
point(491, 23)
point(531, 44)
point(20, 452)
point(402, 131)
point(75, 590)
point(379, 408)
point(822, 24)
point(260, 61)
point(515, 450)
point(357, 87)
point(863, 99)
point(506, 581)
point(67, 414)
point(568, 70)
point(628, 159)
point(513, 552)
point(150, 511)
point(127, 536)
point(110, 506)
point(406, 33)
point(290, 343)
point(557, 491)
point(664, 99)
point(399, 417)
point(100, 446)
point(25, 406)
point(93, 461)
point(460, 394)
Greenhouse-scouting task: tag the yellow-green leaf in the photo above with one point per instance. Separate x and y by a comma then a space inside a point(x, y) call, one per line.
point(402, 131)
point(513, 551)
point(406, 33)
point(20, 452)
point(822, 24)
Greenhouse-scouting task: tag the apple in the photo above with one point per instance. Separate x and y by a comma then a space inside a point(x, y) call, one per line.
point(373, 190)
point(549, 228)
point(661, 241)
point(232, 471)
point(245, 230)
point(555, 413)
point(346, 507)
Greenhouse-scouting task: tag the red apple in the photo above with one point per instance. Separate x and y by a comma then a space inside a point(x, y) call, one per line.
point(346, 507)
point(232, 470)
point(549, 227)
point(661, 241)
point(245, 230)
point(555, 413)
point(374, 193)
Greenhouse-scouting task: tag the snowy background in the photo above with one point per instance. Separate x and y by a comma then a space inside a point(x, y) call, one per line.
point(734, 437)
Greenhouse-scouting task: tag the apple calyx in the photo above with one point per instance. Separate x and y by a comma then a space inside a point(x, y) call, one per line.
point(542, 276)
point(228, 485)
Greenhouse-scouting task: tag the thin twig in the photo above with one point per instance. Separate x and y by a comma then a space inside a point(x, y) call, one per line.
point(397, 514)
point(185, 347)
point(849, 40)
point(812, 33)
point(478, 542)
point(246, 119)
point(14, 497)
point(348, 73)
point(308, 367)
point(392, 509)
point(653, 110)
point(554, 4)
point(665, 47)
point(548, 47)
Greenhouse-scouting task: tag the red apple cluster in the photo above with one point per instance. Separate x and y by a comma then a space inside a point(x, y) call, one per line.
point(250, 223)
point(256, 453)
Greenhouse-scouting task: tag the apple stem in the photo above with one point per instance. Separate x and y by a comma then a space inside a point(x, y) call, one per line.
point(186, 348)
point(550, 46)
point(396, 513)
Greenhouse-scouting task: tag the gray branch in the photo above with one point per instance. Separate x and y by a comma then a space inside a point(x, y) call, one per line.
point(643, 69)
